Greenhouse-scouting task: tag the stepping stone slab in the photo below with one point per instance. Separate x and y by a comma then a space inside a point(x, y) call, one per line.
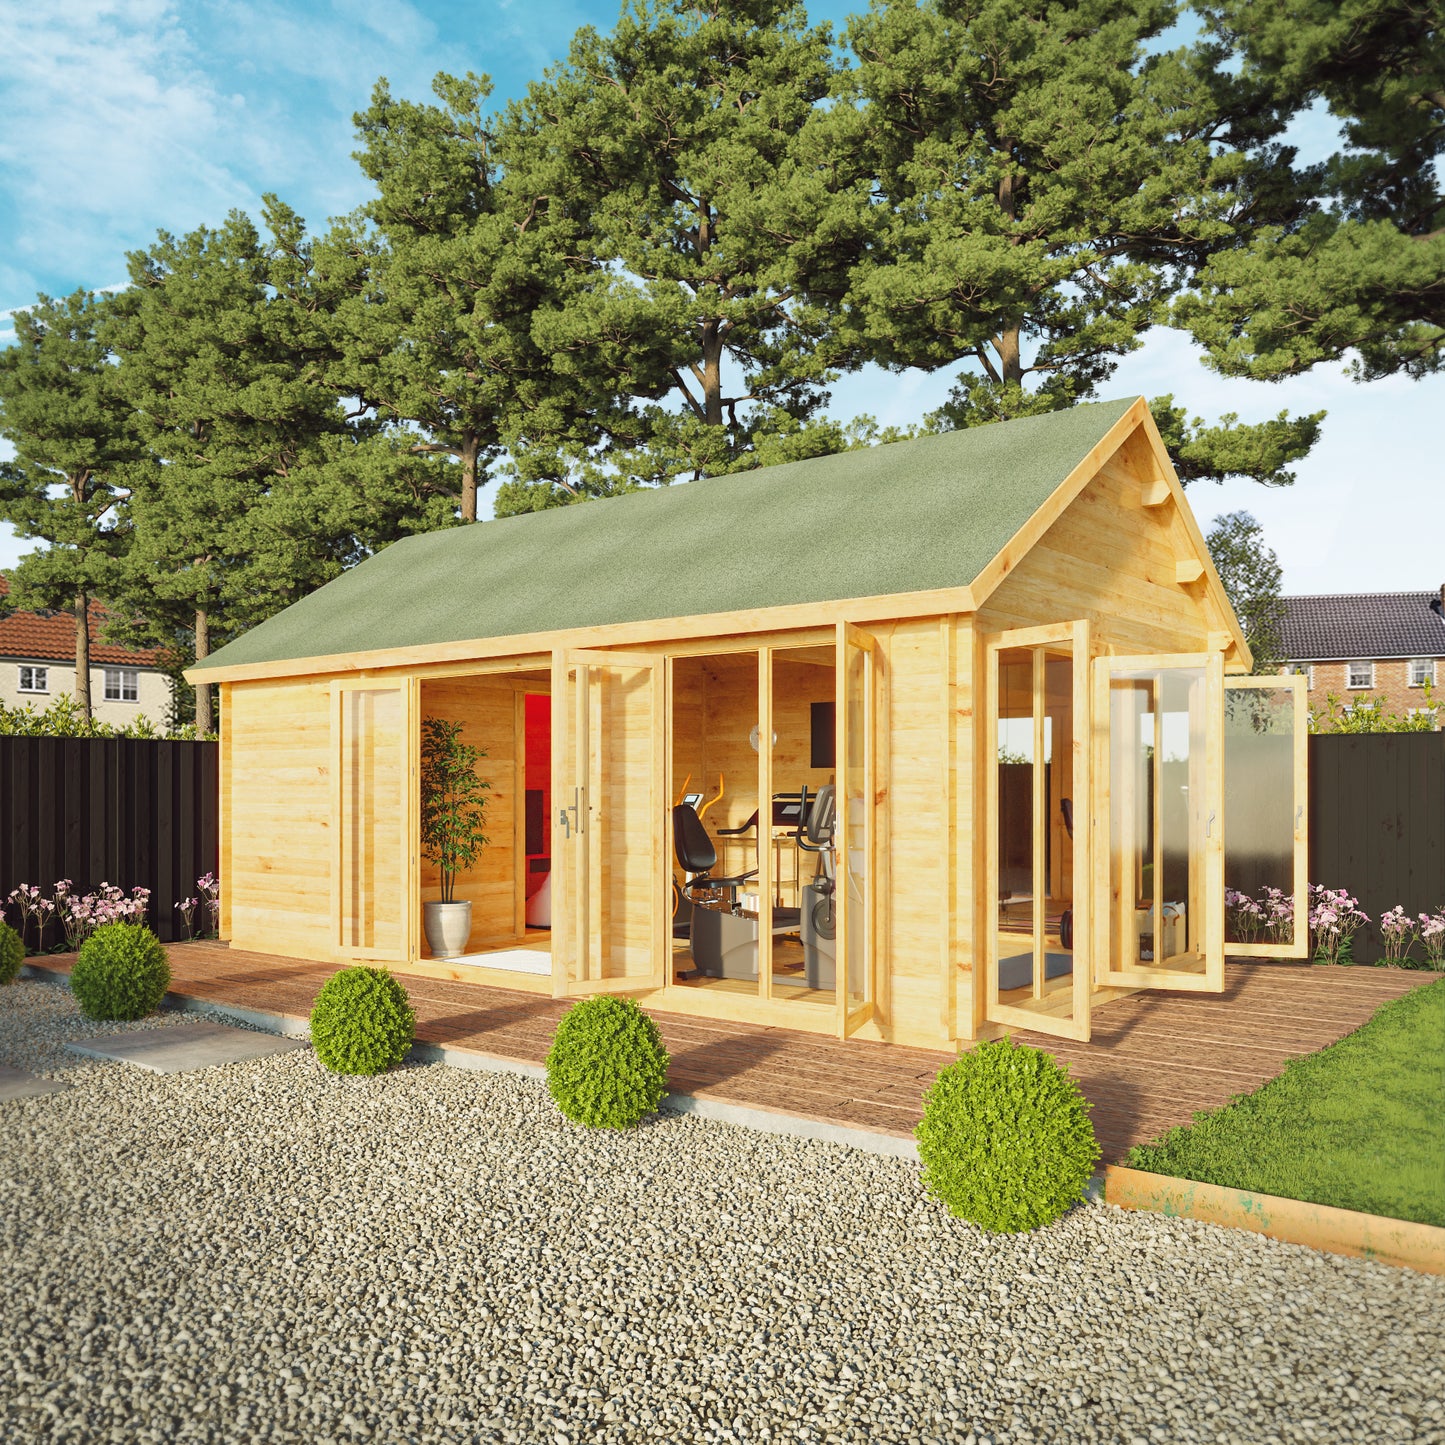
point(188, 1046)
point(17, 1084)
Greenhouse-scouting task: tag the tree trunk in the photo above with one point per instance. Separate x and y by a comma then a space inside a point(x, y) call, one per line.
point(471, 447)
point(205, 719)
point(1010, 364)
point(712, 349)
point(82, 652)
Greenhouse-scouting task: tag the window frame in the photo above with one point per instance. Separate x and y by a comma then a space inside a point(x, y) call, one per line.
point(43, 690)
point(124, 677)
point(1427, 673)
point(1350, 683)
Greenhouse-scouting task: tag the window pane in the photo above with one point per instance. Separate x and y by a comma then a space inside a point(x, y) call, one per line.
point(1259, 810)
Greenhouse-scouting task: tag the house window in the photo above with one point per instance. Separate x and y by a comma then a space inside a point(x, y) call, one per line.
point(1422, 671)
point(1305, 670)
point(34, 679)
point(1360, 674)
point(122, 684)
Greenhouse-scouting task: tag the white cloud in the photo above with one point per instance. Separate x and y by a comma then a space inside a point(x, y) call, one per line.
point(112, 130)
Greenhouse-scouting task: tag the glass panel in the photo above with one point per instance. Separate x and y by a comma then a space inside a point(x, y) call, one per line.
point(716, 738)
point(855, 817)
point(1259, 809)
point(1157, 794)
point(373, 875)
point(804, 912)
point(1057, 824)
point(1015, 763)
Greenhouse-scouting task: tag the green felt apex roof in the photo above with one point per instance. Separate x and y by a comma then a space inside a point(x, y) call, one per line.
point(906, 517)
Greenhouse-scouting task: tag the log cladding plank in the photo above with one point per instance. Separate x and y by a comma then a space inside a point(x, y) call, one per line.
point(280, 817)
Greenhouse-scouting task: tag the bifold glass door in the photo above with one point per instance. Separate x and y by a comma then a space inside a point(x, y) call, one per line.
point(611, 798)
point(1160, 811)
point(1266, 832)
point(373, 857)
point(856, 846)
point(1036, 840)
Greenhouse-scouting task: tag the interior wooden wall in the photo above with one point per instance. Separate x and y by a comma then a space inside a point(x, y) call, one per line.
point(487, 708)
point(714, 710)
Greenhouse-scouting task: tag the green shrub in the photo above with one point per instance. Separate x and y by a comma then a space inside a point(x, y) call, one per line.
point(12, 953)
point(1005, 1139)
point(607, 1067)
point(362, 1022)
point(121, 972)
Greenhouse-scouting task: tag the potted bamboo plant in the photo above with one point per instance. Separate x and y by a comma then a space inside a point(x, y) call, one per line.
point(453, 814)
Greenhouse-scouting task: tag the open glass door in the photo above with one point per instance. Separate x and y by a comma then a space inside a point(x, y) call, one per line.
point(373, 852)
point(612, 813)
point(1266, 827)
point(1035, 972)
point(1159, 804)
point(856, 842)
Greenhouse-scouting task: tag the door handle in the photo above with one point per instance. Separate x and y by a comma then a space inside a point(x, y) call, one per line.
point(574, 824)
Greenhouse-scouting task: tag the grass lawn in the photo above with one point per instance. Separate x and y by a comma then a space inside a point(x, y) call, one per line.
point(1360, 1125)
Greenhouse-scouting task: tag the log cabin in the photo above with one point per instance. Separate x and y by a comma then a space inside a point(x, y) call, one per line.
point(913, 743)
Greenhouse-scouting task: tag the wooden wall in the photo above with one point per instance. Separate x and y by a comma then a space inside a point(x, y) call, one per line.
point(1110, 560)
point(277, 817)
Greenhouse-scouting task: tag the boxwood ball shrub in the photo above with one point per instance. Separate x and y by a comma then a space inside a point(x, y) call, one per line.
point(121, 972)
point(607, 1067)
point(12, 953)
point(1006, 1141)
point(362, 1022)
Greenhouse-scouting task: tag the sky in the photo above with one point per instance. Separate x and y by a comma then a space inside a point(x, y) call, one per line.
point(124, 117)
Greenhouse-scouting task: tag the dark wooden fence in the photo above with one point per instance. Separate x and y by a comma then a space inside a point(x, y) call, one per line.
point(1377, 823)
point(112, 810)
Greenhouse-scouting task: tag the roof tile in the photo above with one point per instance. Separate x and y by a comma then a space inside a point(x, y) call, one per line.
point(1362, 625)
point(50, 637)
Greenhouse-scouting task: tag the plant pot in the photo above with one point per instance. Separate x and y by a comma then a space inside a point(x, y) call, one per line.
point(448, 926)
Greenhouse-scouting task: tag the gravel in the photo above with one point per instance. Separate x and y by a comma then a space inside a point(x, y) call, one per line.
point(264, 1252)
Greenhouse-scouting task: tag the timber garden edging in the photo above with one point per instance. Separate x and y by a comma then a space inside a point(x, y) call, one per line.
point(1292, 1221)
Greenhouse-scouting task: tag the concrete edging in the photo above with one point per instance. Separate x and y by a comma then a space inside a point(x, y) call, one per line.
point(1293, 1221)
point(743, 1116)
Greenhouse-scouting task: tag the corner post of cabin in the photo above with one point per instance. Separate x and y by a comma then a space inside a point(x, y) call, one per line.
point(411, 821)
point(223, 790)
point(1085, 845)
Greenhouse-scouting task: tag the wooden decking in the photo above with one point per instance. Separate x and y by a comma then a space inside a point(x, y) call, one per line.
point(1154, 1060)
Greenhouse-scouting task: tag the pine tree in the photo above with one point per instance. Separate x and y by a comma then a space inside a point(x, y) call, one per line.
point(1361, 267)
point(234, 517)
point(433, 285)
point(74, 440)
point(1043, 188)
point(678, 144)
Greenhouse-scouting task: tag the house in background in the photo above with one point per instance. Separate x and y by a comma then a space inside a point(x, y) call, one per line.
point(37, 665)
point(1366, 645)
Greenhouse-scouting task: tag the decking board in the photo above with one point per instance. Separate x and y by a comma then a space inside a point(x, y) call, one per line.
point(1155, 1058)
